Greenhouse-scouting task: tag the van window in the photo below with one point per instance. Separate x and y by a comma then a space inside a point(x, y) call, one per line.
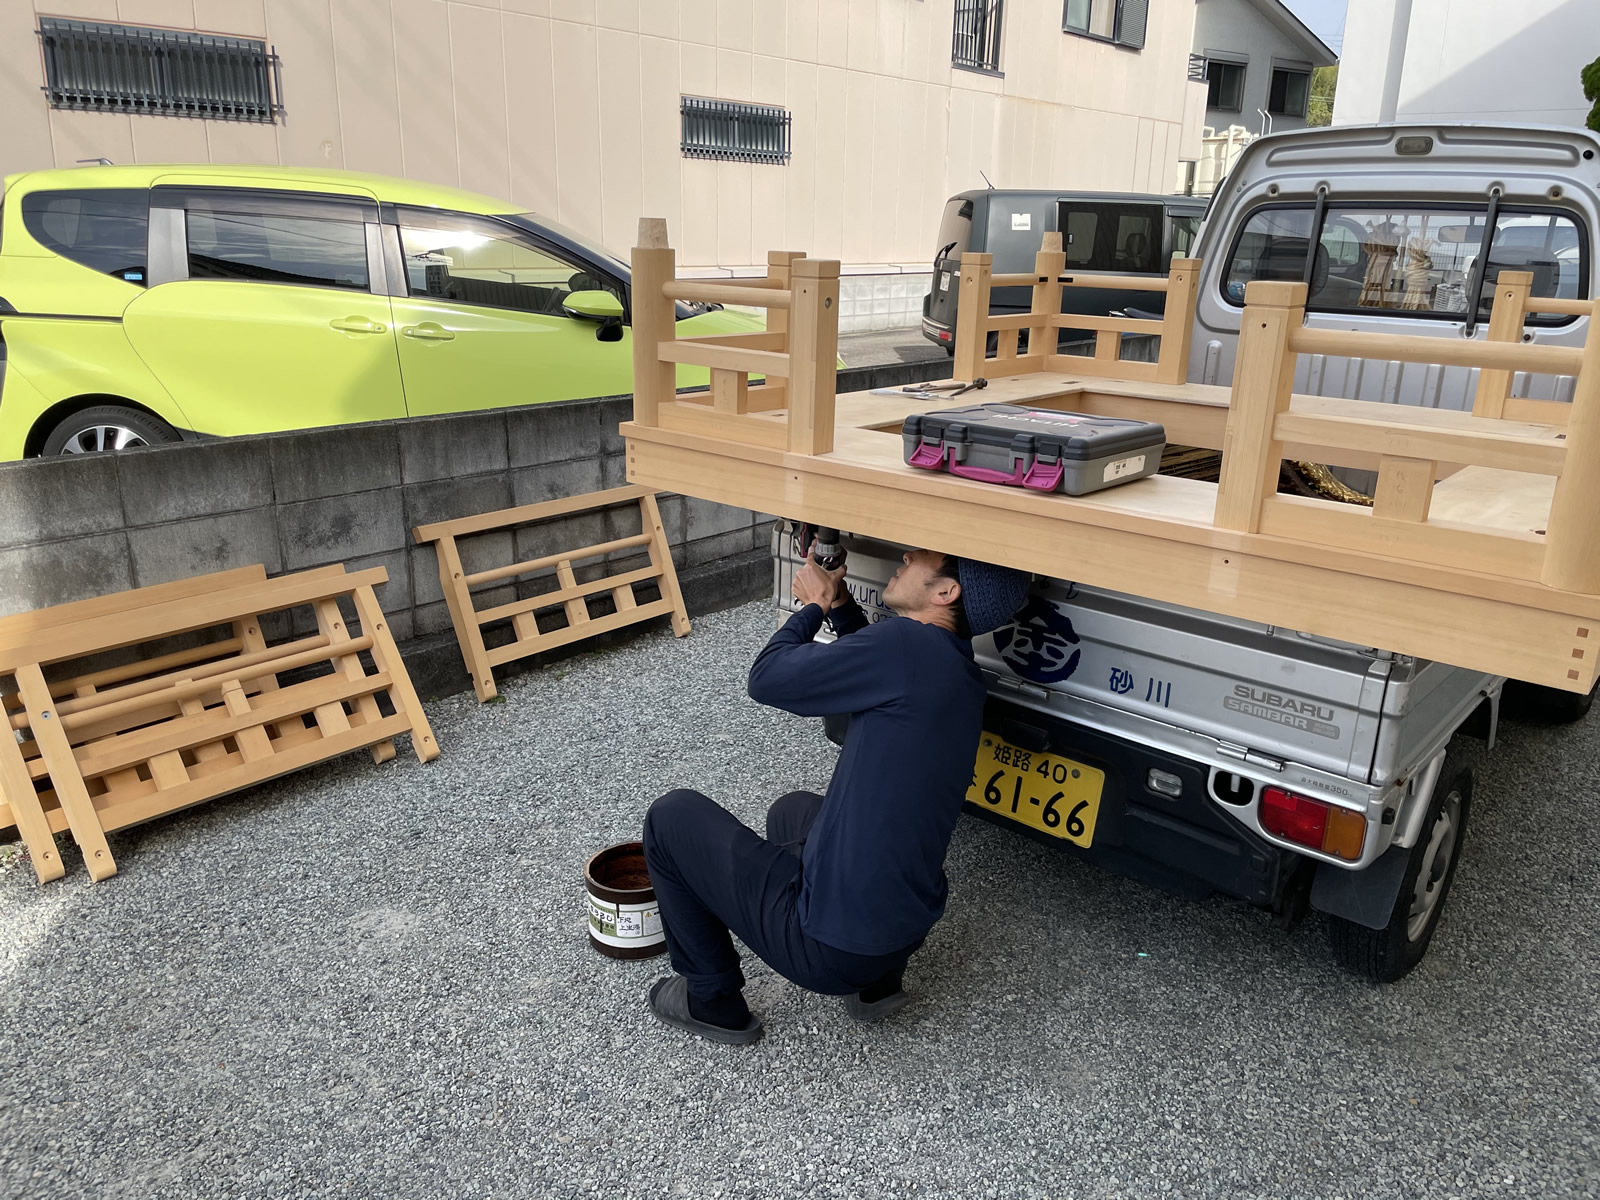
point(1017, 225)
point(1183, 231)
point(106, 229)
point(1112, 236)
point(955, 230)
point(1418, 260)
point(273, 247)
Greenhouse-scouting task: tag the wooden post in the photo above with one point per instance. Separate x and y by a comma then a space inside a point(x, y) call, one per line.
point(972, 316)
point(1405, 488)
point(1263, 376)
point(780, 264)
point(1572, 543)
point(654, 264)
point(1505, 325)
point(813, 354)
point(1183, 292)
point(730, 390)
point(1048, 266)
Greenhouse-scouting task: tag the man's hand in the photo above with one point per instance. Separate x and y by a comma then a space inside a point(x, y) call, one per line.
point(813, 585)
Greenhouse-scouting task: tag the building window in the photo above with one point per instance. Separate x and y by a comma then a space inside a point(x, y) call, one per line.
point(1118, 21)
point(976, 45)
point(1289, 92)
point(159, 72)
point(1224, 85)
point(734, 132)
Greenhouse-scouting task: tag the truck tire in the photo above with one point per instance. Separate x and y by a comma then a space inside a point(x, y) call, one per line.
point(107, 427)
point(1387, 954)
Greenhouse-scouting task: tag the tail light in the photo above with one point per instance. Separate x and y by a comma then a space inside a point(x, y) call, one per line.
point(1308, 822)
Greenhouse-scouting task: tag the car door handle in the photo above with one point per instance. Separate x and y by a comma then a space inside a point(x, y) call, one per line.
point(428, 331)
point(357, 325)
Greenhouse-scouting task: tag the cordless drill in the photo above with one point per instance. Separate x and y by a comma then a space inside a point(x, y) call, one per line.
point(826, 551)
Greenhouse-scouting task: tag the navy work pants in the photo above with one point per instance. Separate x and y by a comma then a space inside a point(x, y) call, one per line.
point(712, 874)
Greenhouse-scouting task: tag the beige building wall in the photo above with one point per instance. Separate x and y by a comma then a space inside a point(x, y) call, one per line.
point(570, 108)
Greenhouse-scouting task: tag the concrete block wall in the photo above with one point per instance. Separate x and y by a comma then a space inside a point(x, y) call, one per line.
point(80, 526)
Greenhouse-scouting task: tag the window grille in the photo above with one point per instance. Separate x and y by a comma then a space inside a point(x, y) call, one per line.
point(734, 132)
point(1197, 68)
point(159, 72)
point(976, 44)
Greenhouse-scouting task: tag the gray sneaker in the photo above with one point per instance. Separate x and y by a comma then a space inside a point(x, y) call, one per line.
point(878, 1009)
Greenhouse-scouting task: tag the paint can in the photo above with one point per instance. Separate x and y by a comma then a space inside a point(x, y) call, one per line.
point(624, 921)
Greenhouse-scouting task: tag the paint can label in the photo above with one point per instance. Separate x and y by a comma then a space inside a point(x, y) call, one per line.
point(625, 925)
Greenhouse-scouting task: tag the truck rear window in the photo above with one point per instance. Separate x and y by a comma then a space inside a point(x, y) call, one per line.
point(105, 229)
point(1418, 260)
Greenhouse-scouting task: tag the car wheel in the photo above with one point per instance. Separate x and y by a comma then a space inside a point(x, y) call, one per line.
point(1387, 954)
point(107, 427)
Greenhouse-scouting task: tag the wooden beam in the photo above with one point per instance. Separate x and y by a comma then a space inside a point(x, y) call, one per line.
point(1395, 347)
point(1572, 554)
point(726, 358)
point(813, 355)
point(1405, 488)
point(730, 391)
point(744, 295)
point(1505, 325)
point(1262, 381)
point(972, 316)
point(1183, 294)
point(482, 522)
point(654, 320)
point(1387, 431)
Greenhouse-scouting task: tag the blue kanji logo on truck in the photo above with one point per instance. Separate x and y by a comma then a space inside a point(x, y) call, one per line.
point(1041, 644)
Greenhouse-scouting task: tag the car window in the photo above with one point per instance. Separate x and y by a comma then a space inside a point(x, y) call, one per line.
point(1111, 236)
point(105, 229)
point(1407, 259)
point(470, 260)
point(955, 229)
point(1183, 231)
point(273, 247)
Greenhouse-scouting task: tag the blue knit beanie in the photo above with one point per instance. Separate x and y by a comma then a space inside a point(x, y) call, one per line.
point(990, 595)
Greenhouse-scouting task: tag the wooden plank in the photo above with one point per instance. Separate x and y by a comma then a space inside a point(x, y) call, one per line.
point(1114, 283)
point(1395, 347)
point(1505, 325)
point(23, 809)
point(1537, 412)
point(1389, 431)
point(134, 811)
point(1350, 527)
point(1405, 488)
point(68, 784)
point(401, 692)
point(1317, 589)
point(746, 295)
point(661, 565)
point(749, 430)
point(254, 744)
point(1252, 449)
point(1045, 304)
point(623, 598)
point(523, 514)
point(654, 321)
point(595, 627)
point(972, 315)
point(183, 615)
point(730, 391)
point(530, 604)
point(96, 680)
point(551, 560)
point(725, 358)
point(458, 599)
point(330, 621)
point(20, 627)
point(772, 339)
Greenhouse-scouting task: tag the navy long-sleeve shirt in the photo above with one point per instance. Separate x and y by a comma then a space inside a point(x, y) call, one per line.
point(873, 869)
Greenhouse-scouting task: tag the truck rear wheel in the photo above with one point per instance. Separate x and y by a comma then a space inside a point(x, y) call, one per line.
point(1387, 954)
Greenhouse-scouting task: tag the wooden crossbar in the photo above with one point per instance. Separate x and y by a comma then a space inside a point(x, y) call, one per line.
point(569, 595)
point(107, 749)
point(749, 295)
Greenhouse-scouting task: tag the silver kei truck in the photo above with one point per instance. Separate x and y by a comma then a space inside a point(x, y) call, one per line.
point(1202, 754)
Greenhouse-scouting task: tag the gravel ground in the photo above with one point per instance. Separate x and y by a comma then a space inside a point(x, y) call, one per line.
point(374, 982)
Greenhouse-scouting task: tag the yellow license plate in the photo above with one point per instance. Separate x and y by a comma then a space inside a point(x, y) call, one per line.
point(1043, 791)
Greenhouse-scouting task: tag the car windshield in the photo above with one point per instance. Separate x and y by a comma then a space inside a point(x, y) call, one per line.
point(538, 224)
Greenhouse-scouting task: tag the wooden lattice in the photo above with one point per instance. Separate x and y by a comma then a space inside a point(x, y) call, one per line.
point(569, 595)
point(96, 751)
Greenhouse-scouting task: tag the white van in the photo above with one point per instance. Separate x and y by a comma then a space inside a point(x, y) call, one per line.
point(1409, 222)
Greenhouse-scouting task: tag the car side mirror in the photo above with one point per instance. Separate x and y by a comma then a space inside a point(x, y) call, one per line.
point(593, 306)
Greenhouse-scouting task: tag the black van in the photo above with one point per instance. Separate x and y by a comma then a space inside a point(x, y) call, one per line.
point(1108, 233)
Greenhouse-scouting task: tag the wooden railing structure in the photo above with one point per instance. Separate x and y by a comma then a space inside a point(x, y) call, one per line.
point(796, 355)
point(1044, 317)
point(1513, 303)
point(1411, 444)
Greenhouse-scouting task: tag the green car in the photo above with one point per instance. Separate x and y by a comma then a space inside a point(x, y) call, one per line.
point(144, 304)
